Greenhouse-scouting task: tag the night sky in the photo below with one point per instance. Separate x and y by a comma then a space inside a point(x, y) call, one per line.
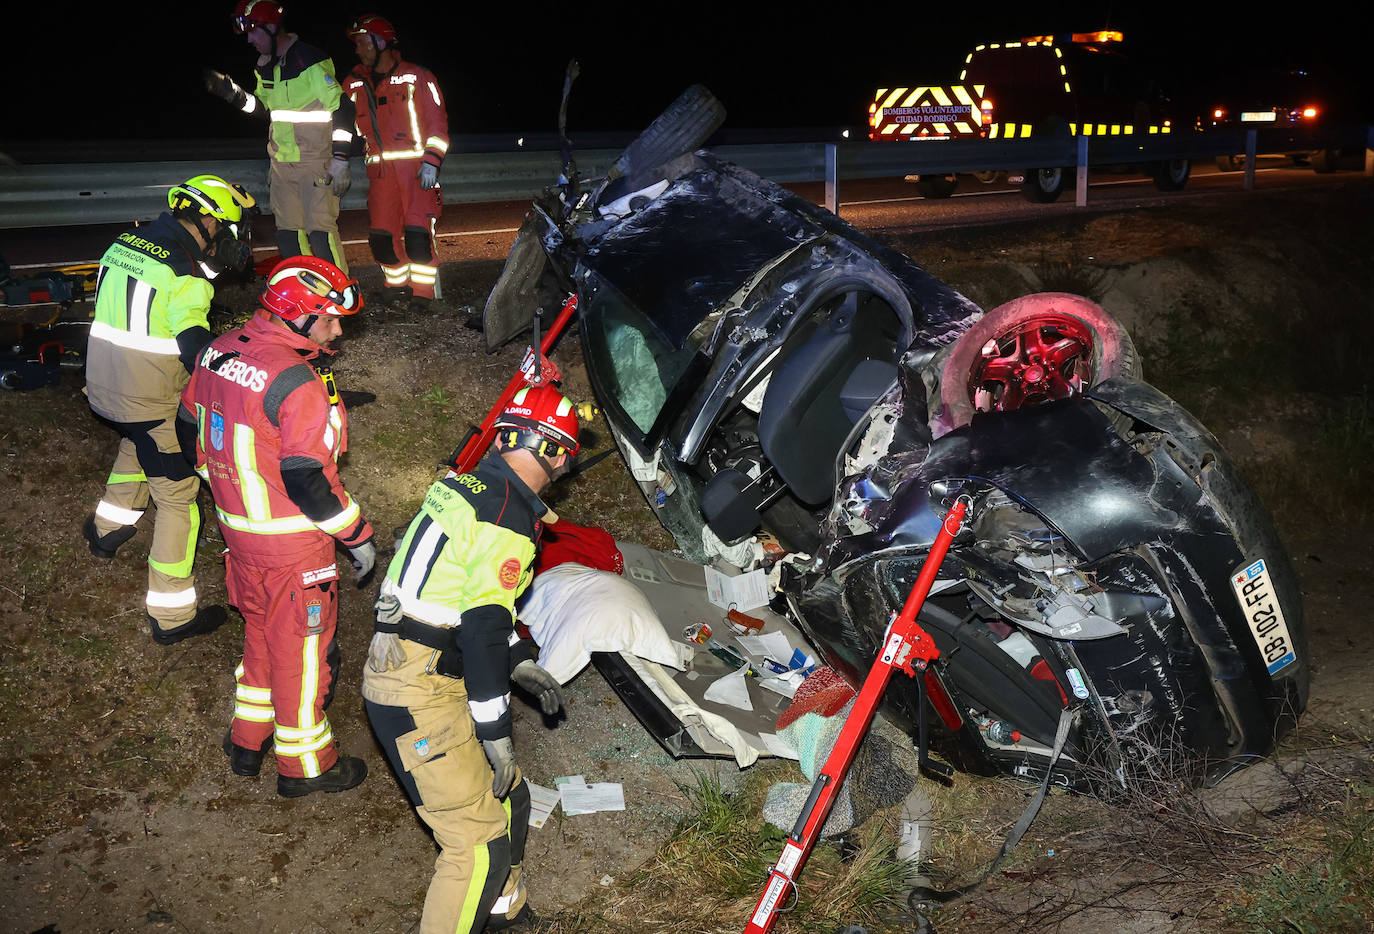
point(136, 73)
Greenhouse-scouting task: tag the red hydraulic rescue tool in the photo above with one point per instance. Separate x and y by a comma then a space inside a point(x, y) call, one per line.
point(907, 647)
point(535, 370)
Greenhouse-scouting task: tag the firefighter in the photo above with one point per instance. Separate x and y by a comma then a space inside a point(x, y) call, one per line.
point(152, 302)
point(268, 426)
point(437, 681)
point(401, 117)
point(310, 130)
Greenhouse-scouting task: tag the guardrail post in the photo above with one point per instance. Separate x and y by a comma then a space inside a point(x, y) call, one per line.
point(832, 187)
point(1251, 151)
point(1081, 199)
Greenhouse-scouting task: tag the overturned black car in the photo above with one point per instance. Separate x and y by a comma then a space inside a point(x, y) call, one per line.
point(763, 366)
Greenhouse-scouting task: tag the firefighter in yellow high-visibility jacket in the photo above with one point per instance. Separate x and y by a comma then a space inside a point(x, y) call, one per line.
point(310, 134)
point(151, 321)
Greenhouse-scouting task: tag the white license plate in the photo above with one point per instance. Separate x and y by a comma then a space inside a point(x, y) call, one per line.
point(1263, 116)
point(1255, 592)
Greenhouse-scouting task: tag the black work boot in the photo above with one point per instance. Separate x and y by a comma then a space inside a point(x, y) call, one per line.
point(524, 918)
point(207, 620)
point(105, 546)
point(347, 773)
point(244, 760)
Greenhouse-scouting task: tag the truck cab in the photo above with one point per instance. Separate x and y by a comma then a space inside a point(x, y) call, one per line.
point(1079, 84)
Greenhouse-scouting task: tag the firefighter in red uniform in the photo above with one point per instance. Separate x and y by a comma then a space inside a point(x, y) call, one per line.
point(401, 117)
point(268, 427)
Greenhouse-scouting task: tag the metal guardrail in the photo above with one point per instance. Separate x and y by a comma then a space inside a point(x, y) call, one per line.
point(54, 195)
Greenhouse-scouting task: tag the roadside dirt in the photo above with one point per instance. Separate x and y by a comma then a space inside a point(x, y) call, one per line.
point(117, 808)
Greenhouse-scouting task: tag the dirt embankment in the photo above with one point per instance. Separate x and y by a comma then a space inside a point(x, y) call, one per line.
point(119, 812)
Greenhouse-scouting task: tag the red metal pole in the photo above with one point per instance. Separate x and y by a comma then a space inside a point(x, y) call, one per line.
point(479, 438)
point(906, 646)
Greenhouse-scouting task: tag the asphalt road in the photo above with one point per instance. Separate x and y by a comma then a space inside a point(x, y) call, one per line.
point(486, 231)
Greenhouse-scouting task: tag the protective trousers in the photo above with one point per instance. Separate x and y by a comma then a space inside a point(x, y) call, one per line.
point(290, 656)
point(306, 213)
point(440, 763)
point(150, 465)
point(402, 217)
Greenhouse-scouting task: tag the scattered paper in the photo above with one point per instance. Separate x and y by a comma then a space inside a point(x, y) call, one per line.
point(731, 690)
point(778, 746)
point(563, 781)
point(786, 685)
point(598, 796)
point(542, 802)
point(743, 591)
point(767, 645)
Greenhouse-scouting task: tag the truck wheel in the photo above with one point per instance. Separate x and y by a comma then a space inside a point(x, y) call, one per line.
point(937, 186)
point(1171, 174)
point(1043, 186)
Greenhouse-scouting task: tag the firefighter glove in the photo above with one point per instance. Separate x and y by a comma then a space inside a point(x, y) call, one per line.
point(429, 175)
point(388, 609)
point(337, 178)
point(364, 558)
point(541, 684)
point(386, 652)
point(221, 85)
point(501, 755)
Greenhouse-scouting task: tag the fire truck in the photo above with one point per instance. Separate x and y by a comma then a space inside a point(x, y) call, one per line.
point(1038, 86)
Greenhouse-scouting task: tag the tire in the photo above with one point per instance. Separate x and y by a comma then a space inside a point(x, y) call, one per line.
point(937, 186)
point(1112, 354)
point(1325, 161)
point(1230, 163)
point(1044, 186)
point(987, 178)
point(687, 123)
point(1171, 174)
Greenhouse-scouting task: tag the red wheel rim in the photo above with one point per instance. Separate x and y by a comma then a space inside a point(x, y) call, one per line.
point(1038, 360)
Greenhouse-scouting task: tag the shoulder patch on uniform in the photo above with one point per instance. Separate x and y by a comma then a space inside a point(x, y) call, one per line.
point(510, 572)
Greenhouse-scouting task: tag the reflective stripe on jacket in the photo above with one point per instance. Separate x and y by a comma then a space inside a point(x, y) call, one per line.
point(150, 290)
point(402, 115)
point(464, 560)
point(260, 410)
point(302, 97)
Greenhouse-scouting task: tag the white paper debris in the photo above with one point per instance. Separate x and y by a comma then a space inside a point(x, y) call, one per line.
point(731, 690)
point(542, 802)
point(767, 645)
point(778, 746)
point(743, 591)
point(588, 799)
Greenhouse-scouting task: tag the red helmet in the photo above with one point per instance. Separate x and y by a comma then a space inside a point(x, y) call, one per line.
point(540, 419)
point(249, 14)
point(375, 26)
point(307, 286)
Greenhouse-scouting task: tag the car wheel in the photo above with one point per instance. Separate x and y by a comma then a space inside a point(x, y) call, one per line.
point(1230, 163)
point(1171, 174)
point(937, 186)
point(987, 178)
point(1034, 349)
point(1044, 186)
point(687, 123)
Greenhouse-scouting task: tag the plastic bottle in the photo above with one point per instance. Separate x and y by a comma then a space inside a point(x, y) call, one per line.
point(1002, 732)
